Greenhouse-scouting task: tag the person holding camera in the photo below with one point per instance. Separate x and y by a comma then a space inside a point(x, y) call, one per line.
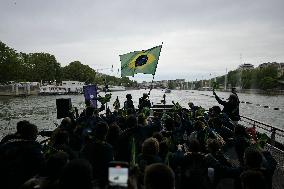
point(128, 104)
point(144, 102)
point(231, 107)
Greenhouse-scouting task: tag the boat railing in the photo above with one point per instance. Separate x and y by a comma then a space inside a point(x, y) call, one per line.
point(276, 134)
point(275, 147)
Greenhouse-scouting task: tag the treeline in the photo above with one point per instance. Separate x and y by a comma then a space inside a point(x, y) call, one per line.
point(258, 78)
point(38, 67)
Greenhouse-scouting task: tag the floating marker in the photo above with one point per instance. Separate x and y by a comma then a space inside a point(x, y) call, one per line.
point(266, 106)
point(248, 103)
point(242, 102)
point(258, 105)
point(276, 109)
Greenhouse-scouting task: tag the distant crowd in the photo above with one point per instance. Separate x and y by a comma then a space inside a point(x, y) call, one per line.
point(183, 148)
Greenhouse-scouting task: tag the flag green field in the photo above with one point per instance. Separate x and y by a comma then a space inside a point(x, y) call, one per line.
point(140, 62)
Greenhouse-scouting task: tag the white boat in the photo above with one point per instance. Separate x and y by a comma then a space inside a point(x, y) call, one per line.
point(66, 87)
point(116, 88)
point(73, 86)
point(51, 90)
point(168, 91)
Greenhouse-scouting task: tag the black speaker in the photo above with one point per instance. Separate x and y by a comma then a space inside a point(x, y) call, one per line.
point(63, 106)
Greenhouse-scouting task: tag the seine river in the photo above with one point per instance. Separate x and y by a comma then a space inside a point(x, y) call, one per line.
point(41, 110)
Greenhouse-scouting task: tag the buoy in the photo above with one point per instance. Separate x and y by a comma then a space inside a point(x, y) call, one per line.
point(248, 103)
point(242, 102)
point(266, 106)
point(276, 109)
point(257, 104)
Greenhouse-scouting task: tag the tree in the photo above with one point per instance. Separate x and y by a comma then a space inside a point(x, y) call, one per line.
point(233, 77)
point(172, 85)
point(268, 83)
point(42, 66)
point(246, 79)
point(79, 72)
point(10, 68)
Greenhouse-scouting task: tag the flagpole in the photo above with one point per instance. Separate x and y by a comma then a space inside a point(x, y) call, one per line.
point(153, 77)
point(151, 85)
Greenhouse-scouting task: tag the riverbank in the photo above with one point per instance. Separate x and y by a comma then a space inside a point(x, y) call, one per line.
point(19, 90)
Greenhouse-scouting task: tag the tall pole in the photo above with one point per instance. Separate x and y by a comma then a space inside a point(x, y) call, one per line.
point(241, 71)
point(226, 75)
point(209, 81)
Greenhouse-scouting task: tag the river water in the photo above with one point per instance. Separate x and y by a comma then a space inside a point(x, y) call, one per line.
point(41, 110)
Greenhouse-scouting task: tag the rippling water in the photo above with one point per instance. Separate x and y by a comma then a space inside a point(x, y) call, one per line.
point(41, 110)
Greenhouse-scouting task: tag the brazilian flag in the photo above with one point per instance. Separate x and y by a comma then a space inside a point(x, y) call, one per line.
point(140, 61)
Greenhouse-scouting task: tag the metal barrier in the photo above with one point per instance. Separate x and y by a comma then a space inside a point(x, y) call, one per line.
point(275, 147)
point(276, 134)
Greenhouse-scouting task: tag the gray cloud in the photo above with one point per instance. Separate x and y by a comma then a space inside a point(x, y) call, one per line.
point(200, 37)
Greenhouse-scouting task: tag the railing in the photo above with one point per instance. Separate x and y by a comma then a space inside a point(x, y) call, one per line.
point(276, 133)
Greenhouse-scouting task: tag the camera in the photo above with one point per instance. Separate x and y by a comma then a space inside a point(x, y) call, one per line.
point(118, 174)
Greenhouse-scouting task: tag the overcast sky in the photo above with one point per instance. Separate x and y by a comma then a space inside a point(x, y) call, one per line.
point(201, 37)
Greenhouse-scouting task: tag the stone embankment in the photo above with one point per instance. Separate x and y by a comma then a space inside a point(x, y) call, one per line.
point(18, 90)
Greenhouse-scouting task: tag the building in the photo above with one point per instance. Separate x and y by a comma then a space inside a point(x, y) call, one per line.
point(246, 66)
point(267, 64)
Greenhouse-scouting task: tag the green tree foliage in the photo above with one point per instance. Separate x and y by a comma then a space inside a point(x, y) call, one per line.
point(268, 83)
point(214, 84)
point(27, 67)
point(220, 80)
point(10, 66)
point(246, 78)
point(172, 85)
point(198, 84)
point(233, 78)
point(124, 81)
point(43, 66)
point(258, 78)
point(78, 72)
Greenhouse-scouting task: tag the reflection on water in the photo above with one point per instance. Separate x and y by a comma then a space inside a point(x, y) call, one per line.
point(41, 110)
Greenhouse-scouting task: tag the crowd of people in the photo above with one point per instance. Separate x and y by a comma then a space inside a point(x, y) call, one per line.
point(182, 148)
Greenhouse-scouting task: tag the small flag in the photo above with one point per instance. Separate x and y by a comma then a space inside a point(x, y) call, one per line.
point(140, 61)
point(90, 94)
